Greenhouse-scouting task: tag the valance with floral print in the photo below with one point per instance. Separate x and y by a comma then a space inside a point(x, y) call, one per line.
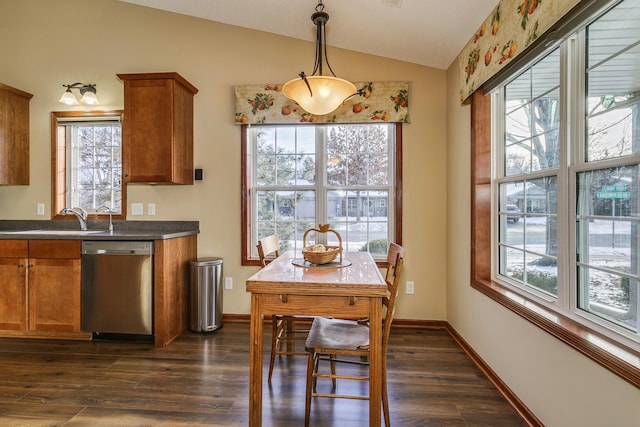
point(381, 102)
point(510, 28)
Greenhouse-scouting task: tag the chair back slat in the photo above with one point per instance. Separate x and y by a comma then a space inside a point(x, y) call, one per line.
point(267, 246)
point(395, 260)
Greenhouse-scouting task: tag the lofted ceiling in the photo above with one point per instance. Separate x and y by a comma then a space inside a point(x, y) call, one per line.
point(425, 32)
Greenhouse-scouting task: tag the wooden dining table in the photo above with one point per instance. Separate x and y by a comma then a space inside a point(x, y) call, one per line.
point(347, 291)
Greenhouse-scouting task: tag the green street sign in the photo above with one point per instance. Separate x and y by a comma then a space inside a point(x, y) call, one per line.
point(613, 195)
point(613, 188)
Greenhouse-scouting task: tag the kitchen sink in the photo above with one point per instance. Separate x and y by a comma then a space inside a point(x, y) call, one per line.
point(56, 232)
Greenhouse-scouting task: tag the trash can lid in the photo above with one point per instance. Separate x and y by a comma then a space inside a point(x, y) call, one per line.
point(206, 261)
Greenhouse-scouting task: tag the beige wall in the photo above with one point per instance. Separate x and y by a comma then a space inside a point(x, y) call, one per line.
point(562, 387)
point(103, 37)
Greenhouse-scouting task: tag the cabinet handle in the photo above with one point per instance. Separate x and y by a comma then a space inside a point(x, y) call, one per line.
point(20, 265)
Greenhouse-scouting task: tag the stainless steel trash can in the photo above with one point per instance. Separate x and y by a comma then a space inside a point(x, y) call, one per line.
point(205, 294)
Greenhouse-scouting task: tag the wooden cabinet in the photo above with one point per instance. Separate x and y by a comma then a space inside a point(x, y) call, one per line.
point(157, 128)
point(54, 285)
point(40, 285)
point(14, 136)
point(13, 284)
point(171, 286)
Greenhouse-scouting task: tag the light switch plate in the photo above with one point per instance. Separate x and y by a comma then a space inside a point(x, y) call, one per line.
point(136, 208)
point(151, 209)
point(40, 209)
point(228, 283)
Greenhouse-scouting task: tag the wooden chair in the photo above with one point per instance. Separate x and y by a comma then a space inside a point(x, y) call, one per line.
point(283, 328)
point(329, 338)
point(267, 246)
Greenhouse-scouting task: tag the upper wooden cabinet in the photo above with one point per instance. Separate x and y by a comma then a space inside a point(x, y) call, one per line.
point(14, 136)
point(157, 128)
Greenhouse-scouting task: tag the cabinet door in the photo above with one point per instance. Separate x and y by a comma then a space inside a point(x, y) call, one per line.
point(14, 136)
point(54, 295)
point(13, 294)
point(147, 129)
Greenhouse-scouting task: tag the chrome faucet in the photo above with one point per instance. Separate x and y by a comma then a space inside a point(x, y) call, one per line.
point(80, 213)
point(108, 210)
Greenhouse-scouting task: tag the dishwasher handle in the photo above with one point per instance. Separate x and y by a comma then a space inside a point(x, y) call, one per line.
point(110, 252)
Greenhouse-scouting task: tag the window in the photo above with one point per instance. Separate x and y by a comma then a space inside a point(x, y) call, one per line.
point(88, 157)
point(298, 177)
point(566, 198)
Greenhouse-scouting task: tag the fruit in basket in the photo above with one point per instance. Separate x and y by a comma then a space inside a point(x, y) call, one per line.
point(316, 248)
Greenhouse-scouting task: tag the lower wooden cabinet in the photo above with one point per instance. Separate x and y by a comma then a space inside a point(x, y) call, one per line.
point(13, 293)
point(40, 288)
point(40, 285)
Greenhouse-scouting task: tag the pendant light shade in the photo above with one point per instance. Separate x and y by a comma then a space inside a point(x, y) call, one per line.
point(319, 94)
point(322, 95)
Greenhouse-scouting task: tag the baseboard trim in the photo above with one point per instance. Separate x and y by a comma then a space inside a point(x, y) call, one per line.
point(236, 318)
point(513, 400)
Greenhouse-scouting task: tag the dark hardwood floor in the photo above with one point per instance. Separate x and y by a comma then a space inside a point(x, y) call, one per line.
point(203, 380)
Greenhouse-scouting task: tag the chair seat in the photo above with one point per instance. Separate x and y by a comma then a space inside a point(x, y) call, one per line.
point(337, 334)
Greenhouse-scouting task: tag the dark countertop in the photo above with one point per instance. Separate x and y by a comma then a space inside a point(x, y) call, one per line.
point(122, 230)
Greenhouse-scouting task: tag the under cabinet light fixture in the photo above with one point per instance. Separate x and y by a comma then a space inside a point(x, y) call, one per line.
point(319, 94)
point(88, 92)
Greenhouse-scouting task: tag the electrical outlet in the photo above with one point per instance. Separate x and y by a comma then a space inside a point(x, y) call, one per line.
point(136, 208)
point(410, 288)
point(40, 209)
point(151, 209)
point(228, 283)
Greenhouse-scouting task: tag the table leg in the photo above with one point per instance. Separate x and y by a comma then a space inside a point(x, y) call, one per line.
point(255, 361)
point(375, 362)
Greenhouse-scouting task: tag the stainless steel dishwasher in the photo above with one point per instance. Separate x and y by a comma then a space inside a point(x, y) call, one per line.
point(117, 289)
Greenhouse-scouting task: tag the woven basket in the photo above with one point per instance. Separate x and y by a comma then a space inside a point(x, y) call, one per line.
point(323, 257)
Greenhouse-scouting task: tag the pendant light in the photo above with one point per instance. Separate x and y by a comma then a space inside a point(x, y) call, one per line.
point(319, 94)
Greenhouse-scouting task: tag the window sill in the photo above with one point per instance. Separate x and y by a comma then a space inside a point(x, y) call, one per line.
point(620, 360)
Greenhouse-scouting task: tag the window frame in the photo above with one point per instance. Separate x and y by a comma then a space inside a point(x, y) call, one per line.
point(246, 232)
point(501, 176)
point(59, 158)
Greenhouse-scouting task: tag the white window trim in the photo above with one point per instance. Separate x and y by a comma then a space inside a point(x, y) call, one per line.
point(571, 163)
point(321, 187)
point(71, 152)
